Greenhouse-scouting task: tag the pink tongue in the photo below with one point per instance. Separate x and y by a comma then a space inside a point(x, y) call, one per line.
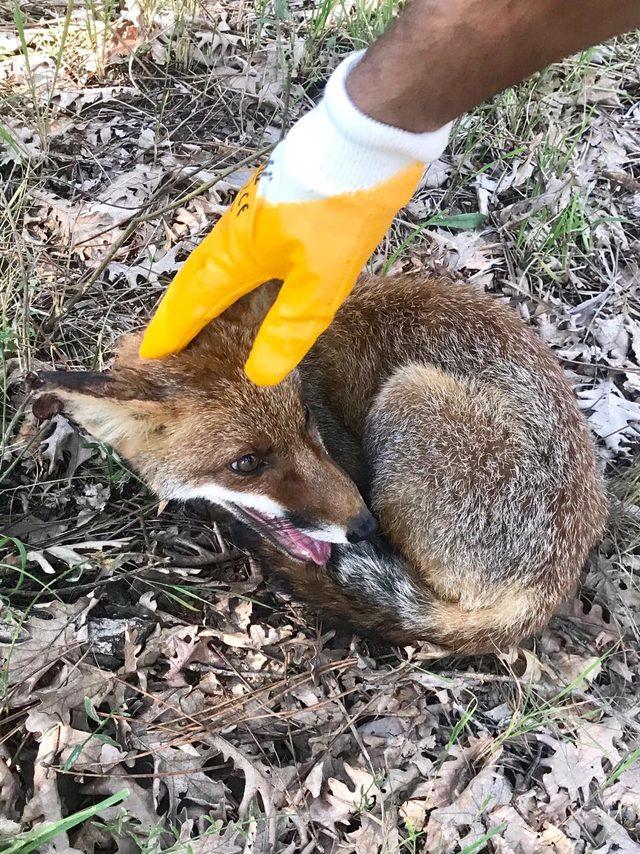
point(294, 541)
point(305, 547)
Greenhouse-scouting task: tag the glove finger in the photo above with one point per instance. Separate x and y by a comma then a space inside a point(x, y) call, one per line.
point(207, 283)
point(305, 307)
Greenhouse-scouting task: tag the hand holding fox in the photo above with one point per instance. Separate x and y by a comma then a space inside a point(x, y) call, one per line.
point(315, 213)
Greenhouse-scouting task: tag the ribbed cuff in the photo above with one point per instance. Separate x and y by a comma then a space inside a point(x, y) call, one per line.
point(335, 149)
point(372, 134)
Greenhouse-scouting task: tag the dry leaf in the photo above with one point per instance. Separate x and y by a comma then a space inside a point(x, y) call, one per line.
point(611, 416)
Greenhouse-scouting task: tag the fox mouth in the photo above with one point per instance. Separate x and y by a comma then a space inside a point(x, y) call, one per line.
point(287, 537)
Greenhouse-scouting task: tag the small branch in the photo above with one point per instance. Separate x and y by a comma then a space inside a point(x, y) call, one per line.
point(623, 180)
point(50, 324)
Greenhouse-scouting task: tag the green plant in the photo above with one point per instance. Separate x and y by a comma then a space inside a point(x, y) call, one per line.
point(33, 840)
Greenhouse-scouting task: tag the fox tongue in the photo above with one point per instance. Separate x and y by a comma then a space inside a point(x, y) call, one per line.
point(292, 539)
point(305, 547)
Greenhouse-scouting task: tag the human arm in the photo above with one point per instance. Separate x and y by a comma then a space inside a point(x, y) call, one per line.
point(442, 58)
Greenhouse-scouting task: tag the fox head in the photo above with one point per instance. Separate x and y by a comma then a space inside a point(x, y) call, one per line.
point(194, 426)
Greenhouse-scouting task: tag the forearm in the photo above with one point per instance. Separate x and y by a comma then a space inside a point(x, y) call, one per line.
point(443, 57)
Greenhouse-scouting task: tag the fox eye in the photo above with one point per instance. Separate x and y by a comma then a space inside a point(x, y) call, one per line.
point(248, 464)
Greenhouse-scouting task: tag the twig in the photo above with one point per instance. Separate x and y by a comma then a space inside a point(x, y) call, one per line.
point(50, 324)
point(32, 441)
point(623, 180)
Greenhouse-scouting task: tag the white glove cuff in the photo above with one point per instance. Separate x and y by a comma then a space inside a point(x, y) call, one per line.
point(372, 134)
point(337, 149)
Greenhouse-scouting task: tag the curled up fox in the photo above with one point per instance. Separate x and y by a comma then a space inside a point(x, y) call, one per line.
point(428, 410)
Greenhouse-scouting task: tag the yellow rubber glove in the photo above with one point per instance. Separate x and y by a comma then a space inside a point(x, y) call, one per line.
point(312, 217)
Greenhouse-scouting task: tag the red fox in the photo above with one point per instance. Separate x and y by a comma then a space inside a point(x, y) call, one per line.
point(429, 402)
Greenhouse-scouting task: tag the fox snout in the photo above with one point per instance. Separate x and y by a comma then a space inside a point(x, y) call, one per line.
point(355, 528)
point(361, 527)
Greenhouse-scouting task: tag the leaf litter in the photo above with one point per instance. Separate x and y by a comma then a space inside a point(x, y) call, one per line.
point(139, 650)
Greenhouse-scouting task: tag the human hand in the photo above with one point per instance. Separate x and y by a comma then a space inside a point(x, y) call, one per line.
point(311, 217)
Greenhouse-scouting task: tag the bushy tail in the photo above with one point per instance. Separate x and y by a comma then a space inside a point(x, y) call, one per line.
point(374, 591)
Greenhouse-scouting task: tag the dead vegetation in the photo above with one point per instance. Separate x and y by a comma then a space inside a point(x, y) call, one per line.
point(157, 695)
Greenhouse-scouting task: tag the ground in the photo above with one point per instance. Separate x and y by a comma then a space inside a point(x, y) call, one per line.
point(156, 694)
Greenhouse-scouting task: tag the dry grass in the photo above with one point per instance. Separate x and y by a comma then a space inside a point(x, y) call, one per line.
point(140, 651)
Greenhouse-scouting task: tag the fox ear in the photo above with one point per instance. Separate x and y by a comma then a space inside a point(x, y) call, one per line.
point(113, 409)
point(45, 383)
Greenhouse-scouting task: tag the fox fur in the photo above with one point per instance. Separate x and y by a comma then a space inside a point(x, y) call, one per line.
point(432, 401)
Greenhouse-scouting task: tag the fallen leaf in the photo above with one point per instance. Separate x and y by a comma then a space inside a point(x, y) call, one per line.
point(611, 416)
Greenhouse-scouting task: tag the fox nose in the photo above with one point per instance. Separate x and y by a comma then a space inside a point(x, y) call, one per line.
point(361, 527)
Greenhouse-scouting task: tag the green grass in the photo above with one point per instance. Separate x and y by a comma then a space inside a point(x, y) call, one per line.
point(480, 843)
point(33, 840)
point(362, 21)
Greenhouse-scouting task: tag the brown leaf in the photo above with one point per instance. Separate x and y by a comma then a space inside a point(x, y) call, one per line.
point(47, 642)
point(577, 764)
point(470, 815)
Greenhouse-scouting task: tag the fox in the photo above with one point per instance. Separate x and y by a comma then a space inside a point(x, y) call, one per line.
point(424, 475)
